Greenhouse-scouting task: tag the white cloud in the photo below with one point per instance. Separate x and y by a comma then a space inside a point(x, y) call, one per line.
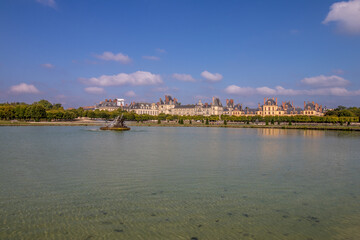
point(153, 58)
point(183, 77)
point(280, 91)
point(109, 56)
point(130, 94)
point(94, 90)
point(212, 77)
point(346, 14)
point(136, 79)
point(334, 91)
point(325, 81)
point(24, 88)
point(265, 91)
point(48, 3)
point(47, 65)
point(236, 90)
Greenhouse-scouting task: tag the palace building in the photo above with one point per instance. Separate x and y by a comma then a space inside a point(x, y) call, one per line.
point(171, 106)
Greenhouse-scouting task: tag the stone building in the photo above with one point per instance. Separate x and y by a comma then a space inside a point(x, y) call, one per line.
point(312, 109)
point(167, 105)
point(289, 109)
point(108, 104)
point(184, 110)
point(171, 106)
point(144, 108)
point(270, 108)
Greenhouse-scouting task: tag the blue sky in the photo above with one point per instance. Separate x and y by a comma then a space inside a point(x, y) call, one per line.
point(81, 52)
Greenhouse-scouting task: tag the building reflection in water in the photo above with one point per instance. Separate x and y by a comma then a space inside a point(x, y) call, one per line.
point(278, 145)
point(275, 133)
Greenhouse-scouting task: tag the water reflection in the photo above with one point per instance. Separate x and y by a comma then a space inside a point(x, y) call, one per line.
point(276, 133)
point(178, 183)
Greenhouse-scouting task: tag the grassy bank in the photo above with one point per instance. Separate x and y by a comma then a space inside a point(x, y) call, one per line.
point(60, 123)
point(317, 126)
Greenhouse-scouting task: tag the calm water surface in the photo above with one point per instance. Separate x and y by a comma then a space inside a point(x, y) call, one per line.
point(178, 183)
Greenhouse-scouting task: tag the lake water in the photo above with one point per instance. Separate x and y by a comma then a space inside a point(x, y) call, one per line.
point(178, 183)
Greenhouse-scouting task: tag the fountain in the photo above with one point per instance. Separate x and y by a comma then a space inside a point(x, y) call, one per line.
point(117, 125)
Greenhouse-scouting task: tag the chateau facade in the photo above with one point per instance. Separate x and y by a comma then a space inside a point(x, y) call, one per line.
point(171, 106)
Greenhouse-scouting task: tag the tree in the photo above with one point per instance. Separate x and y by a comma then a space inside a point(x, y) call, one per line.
point(225, 122)
point(45, 104)
point(91, 114)
point(207, 121)
point(35, 112)
point(159, 121)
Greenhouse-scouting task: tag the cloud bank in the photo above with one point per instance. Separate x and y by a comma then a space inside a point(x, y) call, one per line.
point(138, 78)
point(278, 91)
point(183, 77)
point(322, 85)
point(346, 14)
point(109, 56)
point(24, 88)
point(212, 77)
point(325, 81)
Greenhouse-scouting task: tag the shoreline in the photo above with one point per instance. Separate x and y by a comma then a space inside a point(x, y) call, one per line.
point(60, 123)
point(300, 127)
point(171, 124)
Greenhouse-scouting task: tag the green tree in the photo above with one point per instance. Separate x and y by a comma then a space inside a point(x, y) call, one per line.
point(45, 104)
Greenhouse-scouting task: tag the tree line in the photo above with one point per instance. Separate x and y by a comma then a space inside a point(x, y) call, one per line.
point(44, 110)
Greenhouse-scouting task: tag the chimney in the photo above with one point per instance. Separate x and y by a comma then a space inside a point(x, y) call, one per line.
point(264, 101)
point(232, 101)
point(283, 105)
point(316, 106)
point(227, 102)
point(292, 104)
point(259, 105)
point(273, 98)
point(276, 101)
point(304, 105)
point(313, 102)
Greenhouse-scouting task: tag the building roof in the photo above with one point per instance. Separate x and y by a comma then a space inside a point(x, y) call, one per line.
point(270, 102)
point(185, 106)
